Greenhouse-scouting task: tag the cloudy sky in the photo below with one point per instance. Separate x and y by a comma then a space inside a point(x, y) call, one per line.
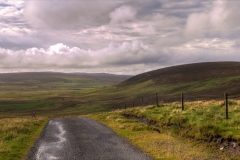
point(116, 36)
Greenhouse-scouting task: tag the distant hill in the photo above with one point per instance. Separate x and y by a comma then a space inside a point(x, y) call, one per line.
point(200, 78)
point(83, 93)
point(187, 73)
point(43, 78)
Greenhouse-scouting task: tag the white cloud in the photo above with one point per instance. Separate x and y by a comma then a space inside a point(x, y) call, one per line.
point(220, 19)
point(126, 57)
point(67, 14)
point(60, 56)
point(212, 44)
point(10, 11)
point(123, 36)
point(122, 14)
point(15, 31)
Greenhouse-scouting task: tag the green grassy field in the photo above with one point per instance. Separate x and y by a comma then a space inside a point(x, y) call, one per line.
point(71, 95)
point(52, 94)
point(64, 100)
point(57, 94)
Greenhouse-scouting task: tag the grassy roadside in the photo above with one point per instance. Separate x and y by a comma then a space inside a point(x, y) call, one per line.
point(200, 120)
point(160, 146)
point(17, 135)
point(199, 132)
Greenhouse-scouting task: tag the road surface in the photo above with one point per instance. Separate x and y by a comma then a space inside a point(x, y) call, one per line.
point(82, 139)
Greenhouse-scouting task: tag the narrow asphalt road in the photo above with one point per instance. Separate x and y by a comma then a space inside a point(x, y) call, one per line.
point(82, 139)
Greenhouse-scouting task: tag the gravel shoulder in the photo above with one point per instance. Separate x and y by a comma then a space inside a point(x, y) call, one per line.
point(82, 138)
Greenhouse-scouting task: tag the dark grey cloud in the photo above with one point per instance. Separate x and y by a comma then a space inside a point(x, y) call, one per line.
point(147, 8)
point(4, 5)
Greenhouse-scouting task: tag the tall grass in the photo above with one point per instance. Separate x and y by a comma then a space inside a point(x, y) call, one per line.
point(202, 120)
point(17, 135)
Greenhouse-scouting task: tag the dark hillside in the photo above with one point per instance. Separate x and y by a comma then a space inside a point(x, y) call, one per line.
point(198, 81)
point(187, 73)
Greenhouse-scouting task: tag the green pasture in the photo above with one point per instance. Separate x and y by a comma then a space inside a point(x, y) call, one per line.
point(85, 96)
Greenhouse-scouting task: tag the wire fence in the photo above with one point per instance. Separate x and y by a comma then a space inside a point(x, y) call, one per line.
point(225, 100)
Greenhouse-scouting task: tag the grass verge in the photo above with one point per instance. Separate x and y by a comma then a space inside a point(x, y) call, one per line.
point(17, 135)
point(198, 132)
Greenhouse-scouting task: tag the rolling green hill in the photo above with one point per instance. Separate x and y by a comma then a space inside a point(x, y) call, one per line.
point(197, 80)
point(59, 94)
point(196, 72)
point(50, 92)
point(50, 79)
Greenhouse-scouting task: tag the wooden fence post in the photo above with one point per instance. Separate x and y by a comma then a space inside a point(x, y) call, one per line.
point(157, 99)
point(133, 103)
point(226, 104)
point(182, 100)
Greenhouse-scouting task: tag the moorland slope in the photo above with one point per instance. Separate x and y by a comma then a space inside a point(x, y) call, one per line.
point(67, 94)
point(187, 73)
point(202, 78)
